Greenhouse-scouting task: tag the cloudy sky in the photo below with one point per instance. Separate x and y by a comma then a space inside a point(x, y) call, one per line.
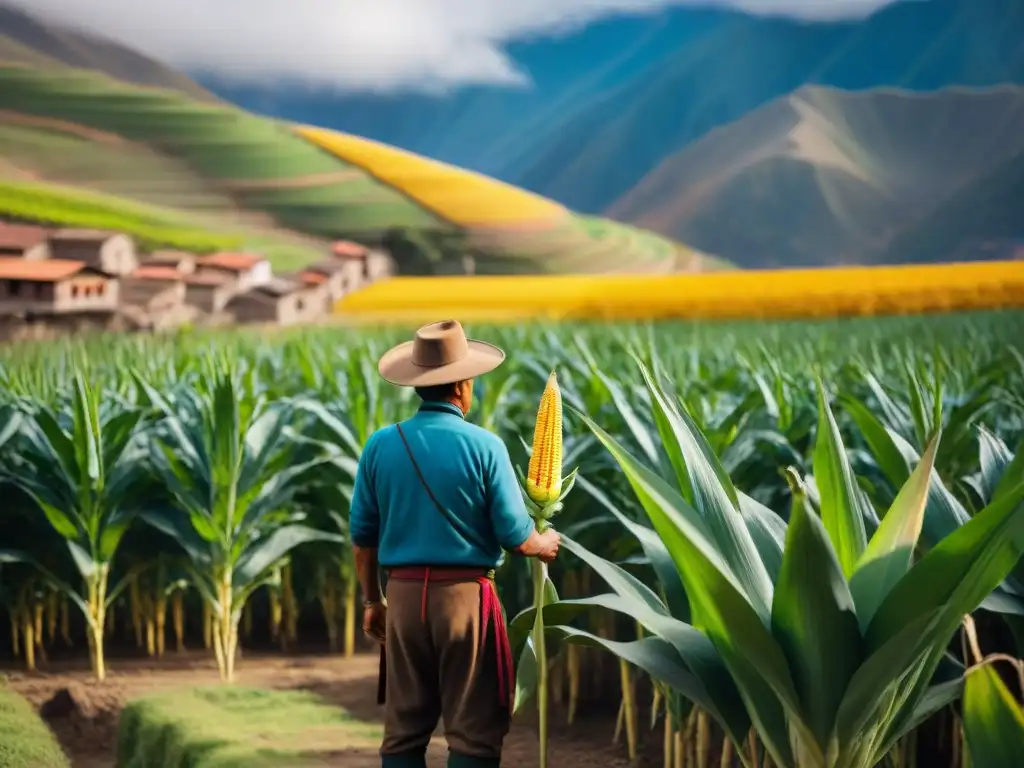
point(365, 45)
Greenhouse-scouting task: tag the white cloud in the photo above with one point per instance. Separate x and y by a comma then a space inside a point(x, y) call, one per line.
point(360, 45)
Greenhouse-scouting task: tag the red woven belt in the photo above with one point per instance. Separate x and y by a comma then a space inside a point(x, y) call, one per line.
point(490, 609)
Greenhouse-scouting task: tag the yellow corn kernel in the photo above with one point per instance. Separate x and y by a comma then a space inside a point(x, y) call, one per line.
point(544, 479)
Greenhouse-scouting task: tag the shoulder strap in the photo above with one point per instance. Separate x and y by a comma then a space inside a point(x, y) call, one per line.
point(465, 531)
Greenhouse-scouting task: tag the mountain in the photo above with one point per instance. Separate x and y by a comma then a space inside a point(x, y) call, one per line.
point(34, 42)
point(825, 176)
point(612, 101)
point(984, 219)
point(93, 134)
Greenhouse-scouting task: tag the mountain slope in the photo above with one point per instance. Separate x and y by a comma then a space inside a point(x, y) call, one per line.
point(208, 171)
point(36, 42)
point(984, 219)
point(612, 101)
point(825, 176)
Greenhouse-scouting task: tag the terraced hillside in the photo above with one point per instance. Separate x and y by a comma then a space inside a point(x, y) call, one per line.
point(212, 168)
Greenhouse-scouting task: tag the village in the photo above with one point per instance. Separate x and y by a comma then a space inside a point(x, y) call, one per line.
point(55, 281)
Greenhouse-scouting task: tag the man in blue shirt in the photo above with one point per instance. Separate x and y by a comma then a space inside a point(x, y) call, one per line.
point(435, 504)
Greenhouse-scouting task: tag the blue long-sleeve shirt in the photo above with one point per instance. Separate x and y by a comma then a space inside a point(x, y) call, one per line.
point(470, 473)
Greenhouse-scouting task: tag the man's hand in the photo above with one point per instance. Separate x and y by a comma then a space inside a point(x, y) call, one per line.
point(549, 544)
point(375, 621)
point(543, 546)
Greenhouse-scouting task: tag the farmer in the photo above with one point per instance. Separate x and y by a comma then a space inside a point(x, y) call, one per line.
point(435, 502)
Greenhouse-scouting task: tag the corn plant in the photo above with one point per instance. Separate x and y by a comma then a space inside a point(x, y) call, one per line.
point(82, 464)
point(836, 657)
point(226, 456)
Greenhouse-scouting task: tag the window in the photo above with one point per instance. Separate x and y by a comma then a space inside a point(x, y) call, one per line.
point(299, 305)
point(14, 287)
point(101, 288)
point(74, 291)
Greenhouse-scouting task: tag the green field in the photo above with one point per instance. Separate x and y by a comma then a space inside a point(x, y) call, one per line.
point(725, 503)
point(218, 169)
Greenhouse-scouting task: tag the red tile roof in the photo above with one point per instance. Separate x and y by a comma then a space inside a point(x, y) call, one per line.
point(47, 271)
point(346, 249)
point(231, 262)
point(312, 278)
point(21, 236)
point(153, 272)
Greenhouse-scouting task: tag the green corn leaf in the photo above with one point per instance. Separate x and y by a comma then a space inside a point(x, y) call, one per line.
point(889, 458)
point(889, 553)
point(814, 620)
point(719, 605)
point(840, 497)
point(1012, 475)
point(714, 496)
point(957, 574)
point(993, 720)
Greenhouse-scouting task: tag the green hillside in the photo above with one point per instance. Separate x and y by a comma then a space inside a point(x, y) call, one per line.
point(205, 172)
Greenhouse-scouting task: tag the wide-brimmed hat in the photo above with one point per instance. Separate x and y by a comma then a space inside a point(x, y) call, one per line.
point(440, 353)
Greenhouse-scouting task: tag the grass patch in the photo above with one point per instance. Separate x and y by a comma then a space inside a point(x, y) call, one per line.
point(228, 726)
point(25, 740)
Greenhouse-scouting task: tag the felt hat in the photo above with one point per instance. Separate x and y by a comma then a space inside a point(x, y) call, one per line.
point(439, 353)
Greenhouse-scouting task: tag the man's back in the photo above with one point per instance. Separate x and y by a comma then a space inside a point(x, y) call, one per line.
point(468, 471)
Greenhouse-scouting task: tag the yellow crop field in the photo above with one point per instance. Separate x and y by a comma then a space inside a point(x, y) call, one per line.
point(462, 197)
point(805, 293)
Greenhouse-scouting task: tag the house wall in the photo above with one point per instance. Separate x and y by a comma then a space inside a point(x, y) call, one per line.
point(334, 288)
point(88, 293)
point(208, 298)
point(254, 308)
point(115, 255)
point(304, 306)
point(15, 291)
point(261, 274)
point(352, 277)
point(152, 293)
point(378, 266)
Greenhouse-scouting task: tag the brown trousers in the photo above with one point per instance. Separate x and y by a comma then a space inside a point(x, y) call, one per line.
point(439, 667)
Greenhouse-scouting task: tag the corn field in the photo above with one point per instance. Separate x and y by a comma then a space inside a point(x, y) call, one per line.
point(811, 532)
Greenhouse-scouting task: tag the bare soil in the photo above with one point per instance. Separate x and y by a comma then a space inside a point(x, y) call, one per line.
point(88, 735)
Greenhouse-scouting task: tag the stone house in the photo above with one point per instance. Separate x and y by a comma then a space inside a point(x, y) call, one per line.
point(245, 270)
point(280, 301)
point(338, 277)
point(378, 266)
point(110, 252)
point(209, 291)
point(55, 287)
point(24, 241)
point(364, 264)
point(182, 261)
point(352, 257)
point(154, 288)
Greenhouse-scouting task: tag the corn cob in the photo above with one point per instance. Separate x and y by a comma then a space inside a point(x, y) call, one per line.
point(544, 480)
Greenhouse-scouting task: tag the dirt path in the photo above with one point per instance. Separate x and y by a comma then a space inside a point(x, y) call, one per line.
point(90, 739)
